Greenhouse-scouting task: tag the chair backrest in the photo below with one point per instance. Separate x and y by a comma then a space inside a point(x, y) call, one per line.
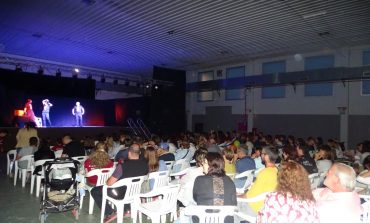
point(169, 164)
point(231, 175)
point(12, 153)
point(80, 159)
point(160, 178)
point(210, 214)
point(102, 174)
point(365, 218)
point(133, 185)
point(180, 165)
point(257, 171)
point(29, 159)
point(314, 179)
point(169, 199)
point(58, 153)
point(249, 174)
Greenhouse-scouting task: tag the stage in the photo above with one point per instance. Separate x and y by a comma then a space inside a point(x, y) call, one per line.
point(77, 132)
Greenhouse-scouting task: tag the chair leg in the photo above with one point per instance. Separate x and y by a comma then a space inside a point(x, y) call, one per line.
point(133, 213)
point(32, 182)
point(120, 213)
point(91, 204)
point(102, 210)
point(81, 201)
point(38, 185)
point(7, 168)
point(15, 175)
point(24, 175)
point(140, 217)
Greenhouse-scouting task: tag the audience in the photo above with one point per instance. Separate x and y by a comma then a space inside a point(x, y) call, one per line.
point(338, 202)
point(293, 200)
point(42, 153)
point(364, 176)
point(229, 158)
point(256, 156)
point(164, 153)
point(25, 151)
point(24, 134)
point(220, 189)
point(98, 159)
point(131, 167)
point(323, 158)
point(305, 159)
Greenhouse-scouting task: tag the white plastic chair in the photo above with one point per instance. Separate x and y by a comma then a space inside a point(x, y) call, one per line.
point(249, 174)
point(257, 171)
point(102, 177)
point(244, 201)
point(29, 159)
point(166, 203)
point(169, 164)
point(160, 178)
point(10, 161)
point(365, 218)
point(133, 187)
point(38, 177)
point(180, 167)
point(80, 159)
point(209, 214)
point(315, 180)
point(58, 153)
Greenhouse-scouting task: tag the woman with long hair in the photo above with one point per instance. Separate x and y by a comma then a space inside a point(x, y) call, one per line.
point(293, 200)
point(97, 160)
point(154, 164)
point(214, 188)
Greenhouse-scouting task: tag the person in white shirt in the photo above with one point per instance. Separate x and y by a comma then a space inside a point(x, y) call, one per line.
point(338, 202)
point(187, 182)
point(78, 111)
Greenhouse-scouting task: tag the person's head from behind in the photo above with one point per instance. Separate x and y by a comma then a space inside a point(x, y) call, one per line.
point(134, 152)
point(214, 165)
point(30, 125)
point(340, 178)
point(200, 156)
point(241, 152)
point(185, 144)
point(324, 152)
point(99, 158)
point(256, 152)
point(228, 154)
point(366, 163)
point(289, 153)
point(29, 101)
point(67, 138)
point(33, 141)
point(3, 133)
point(269, 155)
point(151, 156)
point(293, 181)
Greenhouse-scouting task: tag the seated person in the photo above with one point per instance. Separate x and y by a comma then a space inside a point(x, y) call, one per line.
point(154, 165)
point(72, 148)
point(25, 151)
point(98, 159)
point(306, 160)
point(164, 154)
point(220, 189)
point(42, 153)
point(338, 202)
point(266, 181)
point(244, 163)
point(323, 158)
point(256, 156)
point(293, 200)
point(229, 158)
point(364, 176)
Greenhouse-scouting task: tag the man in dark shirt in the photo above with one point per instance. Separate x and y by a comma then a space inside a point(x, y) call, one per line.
point(72, 148)
point(306, 160)
point(131, 167)
point(243, 164)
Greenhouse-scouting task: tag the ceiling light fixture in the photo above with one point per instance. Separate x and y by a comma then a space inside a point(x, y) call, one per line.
point(40, 70)
point(314, 14)
point(58, 73)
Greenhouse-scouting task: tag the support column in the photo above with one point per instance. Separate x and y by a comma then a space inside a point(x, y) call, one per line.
point(343, 125)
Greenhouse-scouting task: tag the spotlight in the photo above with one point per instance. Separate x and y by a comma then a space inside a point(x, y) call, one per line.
point(102, 79)
point(58, 73)
point(115, 82)
point(147, 86)
point(156, 87)
point(18, 68)
point(40, 70)
point(77, 70)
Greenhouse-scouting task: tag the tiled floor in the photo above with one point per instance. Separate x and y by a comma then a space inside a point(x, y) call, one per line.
point(17, 205)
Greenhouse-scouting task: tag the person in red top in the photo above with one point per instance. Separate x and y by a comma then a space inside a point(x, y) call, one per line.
point(97, 160)
point(28, 111)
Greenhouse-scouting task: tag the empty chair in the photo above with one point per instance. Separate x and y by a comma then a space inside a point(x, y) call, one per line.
point(102, 175)
point(209, 214)
point(10, 157)
point(29, 159)
point(133, 187)
point(165, 203)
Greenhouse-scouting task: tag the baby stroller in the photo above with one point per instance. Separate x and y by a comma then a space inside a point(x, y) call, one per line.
point(60, 192)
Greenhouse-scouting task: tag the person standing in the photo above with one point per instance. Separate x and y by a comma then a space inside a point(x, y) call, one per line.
point(78, 111)
point(28, 112)
point(45, 112)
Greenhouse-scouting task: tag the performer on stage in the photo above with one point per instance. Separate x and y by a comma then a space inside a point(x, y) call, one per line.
point(28, 112)
point(78, 111)
point(45, 112)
